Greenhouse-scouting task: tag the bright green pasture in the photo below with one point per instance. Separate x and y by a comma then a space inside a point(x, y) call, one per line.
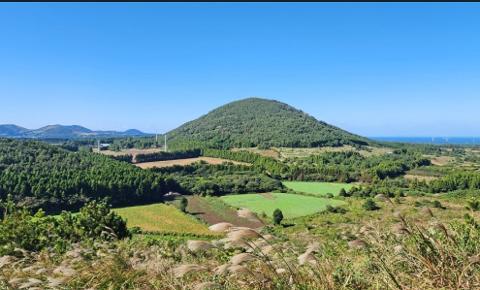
point(291, 205)
point(319, 188)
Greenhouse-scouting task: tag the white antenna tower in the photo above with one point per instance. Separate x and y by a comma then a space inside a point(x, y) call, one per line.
point(166, 148)
point(156, 140)
point(98, 145)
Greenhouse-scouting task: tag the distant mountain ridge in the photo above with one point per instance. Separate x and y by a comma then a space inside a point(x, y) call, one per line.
point(63, 132)
point(265, 123)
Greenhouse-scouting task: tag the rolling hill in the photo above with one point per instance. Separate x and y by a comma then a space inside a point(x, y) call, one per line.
point(40, 175)
point(62, 132)
point(260, 122)
point(10, 130)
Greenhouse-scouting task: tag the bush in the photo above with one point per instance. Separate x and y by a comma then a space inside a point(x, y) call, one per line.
point(336, 209)
point(369, 204)
point(183, 204)
point(277, 216)
point(343, 193)
point(20, 229)
point(438, 204)
point(97, 220)
point(473, 205)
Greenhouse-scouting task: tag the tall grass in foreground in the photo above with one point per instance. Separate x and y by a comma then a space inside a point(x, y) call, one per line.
point(409, 255)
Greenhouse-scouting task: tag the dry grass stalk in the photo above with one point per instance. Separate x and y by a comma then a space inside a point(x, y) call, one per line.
point(197, 246)
point(242, 234)
point(207, 286)
point(242, 258)
point(220, 227)
point(357, 244)
point(238, 270)
point(185, 269)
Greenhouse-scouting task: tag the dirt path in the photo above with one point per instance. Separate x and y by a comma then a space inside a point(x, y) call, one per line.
point(215, 211)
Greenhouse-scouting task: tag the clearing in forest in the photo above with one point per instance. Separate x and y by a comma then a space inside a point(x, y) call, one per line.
point(162, 218)
point(317, 188)
point(213, 210)
point(291, 205)
point(287, 152)
point(186, 161)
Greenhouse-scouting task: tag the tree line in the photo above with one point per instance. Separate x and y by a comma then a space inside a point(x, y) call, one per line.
point(158, 156)
point(346, 166)
point(44, 176)
point(205, 179)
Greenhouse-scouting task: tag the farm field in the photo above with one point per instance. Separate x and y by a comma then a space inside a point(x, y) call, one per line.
point(292, 205)
point(287, 152)
point(263, 152)
point(317, 188)
point(186, 161)
point(214, 210)
point(162, 218)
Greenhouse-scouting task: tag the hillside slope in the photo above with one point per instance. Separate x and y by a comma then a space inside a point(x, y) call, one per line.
point(12, 130)
point(260, 122)
point(40, 175)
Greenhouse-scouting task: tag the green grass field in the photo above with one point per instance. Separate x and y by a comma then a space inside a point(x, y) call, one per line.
point(292, 205)
point(162, 218)
point(318, 188)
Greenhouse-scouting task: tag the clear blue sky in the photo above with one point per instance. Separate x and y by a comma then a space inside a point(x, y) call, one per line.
point(375, 69)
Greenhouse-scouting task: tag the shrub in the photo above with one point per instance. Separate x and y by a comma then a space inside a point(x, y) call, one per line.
point(20, 229)
point(335, 209)
point(183, 204)
point(97, 220)
point(343, 193)
point(438, 204)
point(369, 204)
point(277, 216)
point(473, 205)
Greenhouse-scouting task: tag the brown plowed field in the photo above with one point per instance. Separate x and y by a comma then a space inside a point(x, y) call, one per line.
point(212, 211)
point(186, 161)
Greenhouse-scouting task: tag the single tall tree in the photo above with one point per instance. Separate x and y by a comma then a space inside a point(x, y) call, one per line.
point(277, 216)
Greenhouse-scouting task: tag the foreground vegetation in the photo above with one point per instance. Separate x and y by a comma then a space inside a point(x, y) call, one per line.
point(399, 246)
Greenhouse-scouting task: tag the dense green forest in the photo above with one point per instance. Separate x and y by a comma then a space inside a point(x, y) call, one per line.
point(330, 166)
point(204, 179)
point(133, 142)
point(42, 175)
point(458, 180)
point(259, 122)
point(39, 175)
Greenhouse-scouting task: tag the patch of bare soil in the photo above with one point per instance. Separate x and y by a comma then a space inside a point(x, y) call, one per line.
point(442, 160)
